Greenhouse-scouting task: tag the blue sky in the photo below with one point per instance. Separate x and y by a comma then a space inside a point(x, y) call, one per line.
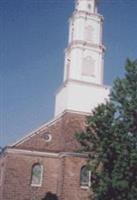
point(33, 35)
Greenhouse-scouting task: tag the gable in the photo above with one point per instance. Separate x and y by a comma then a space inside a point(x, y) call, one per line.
point(55, 136)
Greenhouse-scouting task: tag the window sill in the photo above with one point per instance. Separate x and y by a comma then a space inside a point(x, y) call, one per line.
point(84, 187)
point(34, 185)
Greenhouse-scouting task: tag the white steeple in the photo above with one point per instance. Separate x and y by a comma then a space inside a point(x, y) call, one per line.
point(82, 88)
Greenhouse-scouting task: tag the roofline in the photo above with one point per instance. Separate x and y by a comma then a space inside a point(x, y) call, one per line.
point(35, 131)
point(51, 122)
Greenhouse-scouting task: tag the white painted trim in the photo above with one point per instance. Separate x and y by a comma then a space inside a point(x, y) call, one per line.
point(81, 13)
point(89, 181)
point(45, 154)
point(34, 153)
point(84, 187)
point(83, 83)
point(89, 83)
point(85, 44)
point(89, 184)
point(69, 154)
point(75, 112)
point(36, 185)
point(47, 140)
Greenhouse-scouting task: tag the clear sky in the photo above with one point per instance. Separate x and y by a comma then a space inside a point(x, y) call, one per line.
point(33, 35)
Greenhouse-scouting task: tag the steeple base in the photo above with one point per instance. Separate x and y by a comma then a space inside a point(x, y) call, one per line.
point(80, 96)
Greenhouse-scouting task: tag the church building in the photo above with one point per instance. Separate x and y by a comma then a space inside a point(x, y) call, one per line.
point(48, 159)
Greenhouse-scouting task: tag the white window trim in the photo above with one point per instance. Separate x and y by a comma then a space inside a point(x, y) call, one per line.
point(49, 139)
point(89, 183)
point(41, 178)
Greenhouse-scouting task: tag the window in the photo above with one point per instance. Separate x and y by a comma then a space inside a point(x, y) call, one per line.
point(47, 137)
point(85, 177)
point(88, 68)
point(36, 174)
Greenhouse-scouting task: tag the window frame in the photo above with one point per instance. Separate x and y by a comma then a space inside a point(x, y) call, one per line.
point(89, 179)
point(41, 175)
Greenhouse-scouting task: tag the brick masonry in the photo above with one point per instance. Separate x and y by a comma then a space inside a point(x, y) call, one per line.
point(61, 174)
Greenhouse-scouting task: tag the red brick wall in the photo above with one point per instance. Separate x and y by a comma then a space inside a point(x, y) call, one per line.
point(61, 176)
point(17, 184)
point(71, 185)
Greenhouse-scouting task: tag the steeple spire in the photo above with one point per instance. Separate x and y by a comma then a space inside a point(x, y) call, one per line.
point(83, 86)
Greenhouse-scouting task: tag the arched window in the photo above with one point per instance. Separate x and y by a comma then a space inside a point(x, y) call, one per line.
point(85, 177)
point(36, 174)
point(88, 68)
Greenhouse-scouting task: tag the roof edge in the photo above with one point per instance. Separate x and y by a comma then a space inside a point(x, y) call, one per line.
point(51, 122)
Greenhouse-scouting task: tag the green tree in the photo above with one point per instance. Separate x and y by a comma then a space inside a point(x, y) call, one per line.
point(111, 140)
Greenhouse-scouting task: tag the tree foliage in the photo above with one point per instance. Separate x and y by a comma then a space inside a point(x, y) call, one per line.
point(111, 140)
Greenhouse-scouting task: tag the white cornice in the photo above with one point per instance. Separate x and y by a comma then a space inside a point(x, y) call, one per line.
point(64, 84)
point(83, 14)
point(45, 154)
point(85, 45)
point(31, 153)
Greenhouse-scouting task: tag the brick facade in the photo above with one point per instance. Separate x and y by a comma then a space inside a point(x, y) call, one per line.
point(60, 161)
